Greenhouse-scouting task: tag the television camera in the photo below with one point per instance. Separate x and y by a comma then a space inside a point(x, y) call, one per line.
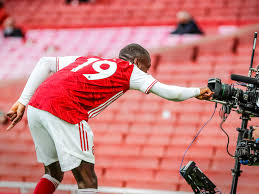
point(244, 102)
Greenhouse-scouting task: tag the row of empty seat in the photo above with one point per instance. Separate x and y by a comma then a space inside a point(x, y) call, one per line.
point(43, 14)
point(107, 43)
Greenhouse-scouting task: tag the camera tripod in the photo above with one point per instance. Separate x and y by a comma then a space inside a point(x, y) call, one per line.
point(236, 172)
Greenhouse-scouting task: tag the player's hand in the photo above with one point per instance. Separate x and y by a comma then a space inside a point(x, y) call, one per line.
point(256, 133)
point(205, 94)
point(15, 114)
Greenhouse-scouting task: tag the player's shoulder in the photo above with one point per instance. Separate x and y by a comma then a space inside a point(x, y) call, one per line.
point(85, 58)
point(123, 63)
point(119, 62)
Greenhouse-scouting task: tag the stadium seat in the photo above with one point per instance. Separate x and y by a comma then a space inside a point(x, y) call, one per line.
point(167, 176)
point(129, 174)
point(152, 150)
point(157, 185)
point(136, 162)
point(104, 161)
point(108, 138)
point(158, 140)
point(110, 182)
point(181, 141)
point(223, 165)
point(172, 163)
point(114, 150)
point(69, 178)
point(133, 139)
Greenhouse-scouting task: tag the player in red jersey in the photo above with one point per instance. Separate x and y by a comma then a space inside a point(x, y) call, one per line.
point(80, 88)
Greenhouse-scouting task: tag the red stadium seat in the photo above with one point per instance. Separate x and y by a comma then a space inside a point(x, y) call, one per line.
point(129, 174)
point(157, 185)
point(104, 161)
point(69, 178)
point(109, 138)
point(115, 150)
point(168, 176)
point(141, 129)
point(102, 181)
point(152, 150)
point(136, 162)
point(162, 128)
point(223, 165)
point(158, 140)
point(133, 139)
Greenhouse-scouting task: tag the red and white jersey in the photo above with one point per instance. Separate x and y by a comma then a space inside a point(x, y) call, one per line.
point(84, 86)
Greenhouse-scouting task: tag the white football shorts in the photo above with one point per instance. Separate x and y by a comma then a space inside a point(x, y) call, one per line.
point(58, 140)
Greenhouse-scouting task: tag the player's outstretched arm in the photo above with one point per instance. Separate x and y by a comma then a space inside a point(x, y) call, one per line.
point(176, 93)
point(146, 83)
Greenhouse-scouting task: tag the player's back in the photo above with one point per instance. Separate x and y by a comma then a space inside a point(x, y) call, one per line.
point(84, 88)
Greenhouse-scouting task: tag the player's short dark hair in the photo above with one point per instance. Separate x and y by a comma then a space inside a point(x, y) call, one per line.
point(132, 51)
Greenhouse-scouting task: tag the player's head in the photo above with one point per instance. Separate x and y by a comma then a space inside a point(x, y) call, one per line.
point(136, 54)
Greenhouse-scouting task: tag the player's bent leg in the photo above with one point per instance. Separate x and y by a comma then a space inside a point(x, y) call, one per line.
point(50, 181)
point(73, 144)
point(46, 153)
point(54, 171)
point(86, 178)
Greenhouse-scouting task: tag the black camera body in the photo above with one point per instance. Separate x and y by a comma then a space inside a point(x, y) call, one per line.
point(235, 98)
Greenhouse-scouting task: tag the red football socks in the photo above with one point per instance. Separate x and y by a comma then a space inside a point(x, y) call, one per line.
point(46, 185)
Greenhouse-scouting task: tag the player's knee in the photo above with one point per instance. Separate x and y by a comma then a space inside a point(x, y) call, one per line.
point(89, 182)
point(85, 176)
point(54, 171)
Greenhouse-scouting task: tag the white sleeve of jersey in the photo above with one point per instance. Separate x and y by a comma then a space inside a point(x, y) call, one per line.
point(42, 70)
point(174, 93)
point(65, 61)
point(144, 82)
point(141, 81)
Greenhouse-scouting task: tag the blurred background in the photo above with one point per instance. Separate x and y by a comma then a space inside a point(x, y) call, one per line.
point(139, 140)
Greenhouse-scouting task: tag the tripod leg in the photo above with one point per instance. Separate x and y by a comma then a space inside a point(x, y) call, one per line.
point(235, 173)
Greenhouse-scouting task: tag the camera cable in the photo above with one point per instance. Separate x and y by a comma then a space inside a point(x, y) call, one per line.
point(197, 134)
point(223, 115)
